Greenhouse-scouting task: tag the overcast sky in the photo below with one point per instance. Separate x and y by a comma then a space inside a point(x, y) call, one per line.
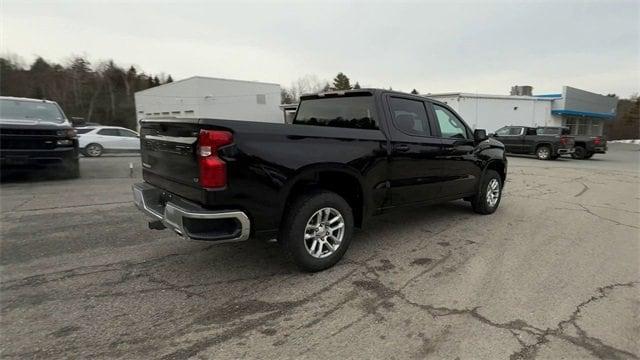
point(483, 47)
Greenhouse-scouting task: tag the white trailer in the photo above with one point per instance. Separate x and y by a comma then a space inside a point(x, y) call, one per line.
point(206, 97)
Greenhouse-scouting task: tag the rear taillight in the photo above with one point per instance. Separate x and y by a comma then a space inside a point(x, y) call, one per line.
point(597, 140)
point(213, 170)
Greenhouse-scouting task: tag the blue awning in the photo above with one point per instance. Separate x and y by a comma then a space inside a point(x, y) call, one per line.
point(584, 114)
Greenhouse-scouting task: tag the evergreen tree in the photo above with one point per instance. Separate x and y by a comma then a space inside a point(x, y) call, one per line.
point(327, 87)
point(169, 79)
point(341, 82)
point(415, 92)
point(357, 85)
point(156, 81)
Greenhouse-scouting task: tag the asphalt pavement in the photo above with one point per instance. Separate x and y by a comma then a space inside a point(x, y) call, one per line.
point(554, 273)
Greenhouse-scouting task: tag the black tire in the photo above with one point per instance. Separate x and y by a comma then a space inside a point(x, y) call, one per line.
point(543, 152)
point(300, 212)
point(480, 202)
point(589, 156)
point(92, 150)
point(579, 153)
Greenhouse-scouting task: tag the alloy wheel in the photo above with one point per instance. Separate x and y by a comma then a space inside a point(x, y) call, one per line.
point(493, 192)
point(324, 232)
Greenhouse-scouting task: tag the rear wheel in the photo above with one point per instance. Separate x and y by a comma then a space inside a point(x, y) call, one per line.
point(589, 155)
point(488, 198)
point(543, 152)
point(317, 230)
point(579, 153)
point(93, 150)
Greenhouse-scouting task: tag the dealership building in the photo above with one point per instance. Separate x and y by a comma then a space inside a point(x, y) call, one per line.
point(584, 112)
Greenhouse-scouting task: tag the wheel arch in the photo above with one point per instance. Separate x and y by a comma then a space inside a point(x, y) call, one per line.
point(338, 178)
point(498, 166)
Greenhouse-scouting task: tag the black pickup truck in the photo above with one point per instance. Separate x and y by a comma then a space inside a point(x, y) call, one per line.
point(346, 157)
point(536, 141)
point(35, 134)
point(585, 146)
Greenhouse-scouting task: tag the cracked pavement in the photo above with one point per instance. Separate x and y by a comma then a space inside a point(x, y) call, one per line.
point(554, 273)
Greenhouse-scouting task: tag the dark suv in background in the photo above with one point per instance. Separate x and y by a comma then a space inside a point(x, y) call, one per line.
point(36, 134)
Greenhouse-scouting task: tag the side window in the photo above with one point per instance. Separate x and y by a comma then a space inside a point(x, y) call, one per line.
point(409, 116)
point(515, 131)
point(109, 132)
point(450, 125)
point(531, 131)
point(127, 133)
point(503, 132)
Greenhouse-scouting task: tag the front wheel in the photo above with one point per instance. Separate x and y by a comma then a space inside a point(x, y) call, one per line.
point(317, 230)
point(93, 150)
point(489, 194)
point(543, 153)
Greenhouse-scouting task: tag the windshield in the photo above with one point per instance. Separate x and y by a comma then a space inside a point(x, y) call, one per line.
point(30, 110)
point(346, 112)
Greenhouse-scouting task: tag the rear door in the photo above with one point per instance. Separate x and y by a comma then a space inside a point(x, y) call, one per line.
point(415, 174)
point(129, 140)
point(459, 164)
point(108, 138)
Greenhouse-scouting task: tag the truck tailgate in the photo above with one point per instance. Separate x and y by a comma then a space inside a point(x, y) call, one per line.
point(168, 150)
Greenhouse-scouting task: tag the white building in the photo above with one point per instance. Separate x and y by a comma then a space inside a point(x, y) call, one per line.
point(205, 97)
point(582, 111)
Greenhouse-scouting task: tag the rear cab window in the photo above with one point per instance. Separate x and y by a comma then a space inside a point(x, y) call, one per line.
point(409, 116)
point(355, 112)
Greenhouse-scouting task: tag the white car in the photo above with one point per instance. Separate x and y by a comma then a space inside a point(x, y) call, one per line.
point(97, 140)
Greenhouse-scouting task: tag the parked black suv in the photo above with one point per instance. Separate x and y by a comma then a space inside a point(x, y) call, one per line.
point(530, 140)
point(346, 157)
point(36, 134)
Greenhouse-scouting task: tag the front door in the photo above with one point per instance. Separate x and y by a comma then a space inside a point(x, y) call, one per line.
point(461, 169)
point(512, 137)
point(415, 175)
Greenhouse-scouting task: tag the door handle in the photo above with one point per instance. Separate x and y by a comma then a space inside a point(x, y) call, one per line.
point(401, 148)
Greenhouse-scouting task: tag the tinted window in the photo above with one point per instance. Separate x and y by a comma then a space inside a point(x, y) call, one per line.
point(516, 131)
point(531, 131)
point(127, 133)
point(450, 125)
point(30, 110)
point(509, 131)
point(347, 112)
point(409, 116)
point(83, 131)
point(109, 132)
point(552, 131)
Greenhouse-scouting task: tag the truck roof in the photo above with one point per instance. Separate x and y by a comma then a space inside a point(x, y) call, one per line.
point(26, 99)
point(370, 91)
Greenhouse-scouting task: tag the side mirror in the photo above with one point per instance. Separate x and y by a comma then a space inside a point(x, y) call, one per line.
point(479, 135)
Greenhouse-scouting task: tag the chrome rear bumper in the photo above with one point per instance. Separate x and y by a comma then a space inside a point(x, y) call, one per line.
point(189, 220)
